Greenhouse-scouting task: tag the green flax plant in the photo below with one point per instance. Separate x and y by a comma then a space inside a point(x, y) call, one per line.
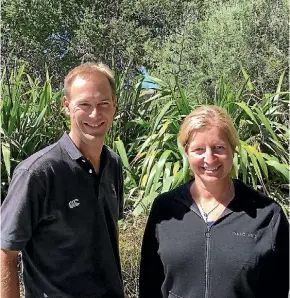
point(136, 110)
point(264, 142)
point(31, 118)
point(261, 159)
point(132, 120)
point(159, 163)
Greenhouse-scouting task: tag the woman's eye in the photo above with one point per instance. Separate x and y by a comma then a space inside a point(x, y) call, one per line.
point(219, 148)
point(198, 150)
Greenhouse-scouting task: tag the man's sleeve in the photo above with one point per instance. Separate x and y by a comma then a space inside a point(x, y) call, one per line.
point(121, 191)
point(20, 210)
point(151, 267)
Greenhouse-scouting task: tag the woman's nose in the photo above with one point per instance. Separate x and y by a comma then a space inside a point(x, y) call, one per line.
point(209, 156)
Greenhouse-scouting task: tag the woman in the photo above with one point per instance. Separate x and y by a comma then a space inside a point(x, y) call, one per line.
point(214, 237)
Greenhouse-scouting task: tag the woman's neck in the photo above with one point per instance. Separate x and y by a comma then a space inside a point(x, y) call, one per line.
point(220, 192)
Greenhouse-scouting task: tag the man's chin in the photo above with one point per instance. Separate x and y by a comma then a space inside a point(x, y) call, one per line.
point(94, 137)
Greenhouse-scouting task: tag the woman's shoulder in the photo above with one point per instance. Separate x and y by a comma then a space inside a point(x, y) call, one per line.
point(250, 196)
point(175, 199)
point(179, 193)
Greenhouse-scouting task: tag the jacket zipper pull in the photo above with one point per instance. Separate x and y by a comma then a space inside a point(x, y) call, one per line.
point(207, 233)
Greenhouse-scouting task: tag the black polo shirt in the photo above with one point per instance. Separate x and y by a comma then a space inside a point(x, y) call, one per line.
point(64, 219)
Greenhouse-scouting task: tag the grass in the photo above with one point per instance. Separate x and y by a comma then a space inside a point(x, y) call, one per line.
point(131, 231)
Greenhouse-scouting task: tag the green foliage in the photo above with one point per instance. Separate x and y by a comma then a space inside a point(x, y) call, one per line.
point(64, 33)
point(30, 119)
point(216, 38)
point(198, 41)
point(145, 131)
point(159, 163)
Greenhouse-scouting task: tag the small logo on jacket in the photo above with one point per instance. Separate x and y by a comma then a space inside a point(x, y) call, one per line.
point(73, 203)
point(245, 234)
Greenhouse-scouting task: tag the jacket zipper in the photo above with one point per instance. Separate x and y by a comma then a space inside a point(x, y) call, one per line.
point(207, 235)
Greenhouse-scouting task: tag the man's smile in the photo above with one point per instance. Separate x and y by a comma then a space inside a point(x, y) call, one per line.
point(94, 125)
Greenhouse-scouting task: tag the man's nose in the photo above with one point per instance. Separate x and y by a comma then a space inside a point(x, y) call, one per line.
point(94, 112)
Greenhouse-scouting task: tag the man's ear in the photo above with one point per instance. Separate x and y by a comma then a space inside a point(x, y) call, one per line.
point(65, 102)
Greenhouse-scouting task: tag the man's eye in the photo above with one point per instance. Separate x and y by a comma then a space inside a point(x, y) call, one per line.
point(104, 103)
point(219, 147)
point(198, 150)
point(84, 104)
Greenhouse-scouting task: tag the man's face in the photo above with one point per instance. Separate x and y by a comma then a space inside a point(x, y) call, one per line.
point(91, 107)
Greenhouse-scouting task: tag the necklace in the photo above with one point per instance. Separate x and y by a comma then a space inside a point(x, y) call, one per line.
point(206, 214)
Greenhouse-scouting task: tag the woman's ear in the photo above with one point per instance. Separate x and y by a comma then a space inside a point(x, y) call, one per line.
point(185, 149)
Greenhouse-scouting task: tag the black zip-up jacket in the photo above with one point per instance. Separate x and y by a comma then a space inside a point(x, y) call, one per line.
point(244, 254)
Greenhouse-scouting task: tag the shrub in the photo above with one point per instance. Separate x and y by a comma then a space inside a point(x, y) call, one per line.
point(31, 119)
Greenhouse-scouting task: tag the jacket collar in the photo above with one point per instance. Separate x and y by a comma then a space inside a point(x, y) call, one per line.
point(238, 203)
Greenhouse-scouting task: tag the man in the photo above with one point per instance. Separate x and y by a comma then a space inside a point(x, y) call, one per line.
point(64, 202)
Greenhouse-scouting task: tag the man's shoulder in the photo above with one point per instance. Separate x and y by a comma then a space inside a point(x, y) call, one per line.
point(41, 159)
point(113, 156)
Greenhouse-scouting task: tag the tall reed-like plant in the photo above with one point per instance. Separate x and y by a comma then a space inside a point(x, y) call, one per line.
point(31, 118)
point(261, 160)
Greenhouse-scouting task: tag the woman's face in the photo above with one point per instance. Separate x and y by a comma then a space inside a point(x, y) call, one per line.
point(210, 155)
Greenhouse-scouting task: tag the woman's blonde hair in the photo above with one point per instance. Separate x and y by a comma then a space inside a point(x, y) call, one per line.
point(206, 117)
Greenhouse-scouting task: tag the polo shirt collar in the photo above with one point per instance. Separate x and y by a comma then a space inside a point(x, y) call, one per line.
point(69, 146)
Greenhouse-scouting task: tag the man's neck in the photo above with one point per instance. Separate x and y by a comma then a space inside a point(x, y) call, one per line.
point(91, 152)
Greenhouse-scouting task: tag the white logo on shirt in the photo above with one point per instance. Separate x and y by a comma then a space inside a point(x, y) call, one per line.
point(73, 203)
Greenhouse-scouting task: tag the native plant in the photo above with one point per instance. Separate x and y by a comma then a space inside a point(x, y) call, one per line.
point(31, 118)
point(145, 130)
point(261, 160)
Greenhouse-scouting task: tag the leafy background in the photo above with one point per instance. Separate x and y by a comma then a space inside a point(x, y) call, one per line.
point(168, 58)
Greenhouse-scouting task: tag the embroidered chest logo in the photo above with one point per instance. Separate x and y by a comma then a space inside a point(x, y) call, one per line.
point(113, 189)
point(73, 203)
point(245, 234)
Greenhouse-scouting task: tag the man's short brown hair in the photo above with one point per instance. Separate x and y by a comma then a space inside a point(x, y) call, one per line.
point(87, 71)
